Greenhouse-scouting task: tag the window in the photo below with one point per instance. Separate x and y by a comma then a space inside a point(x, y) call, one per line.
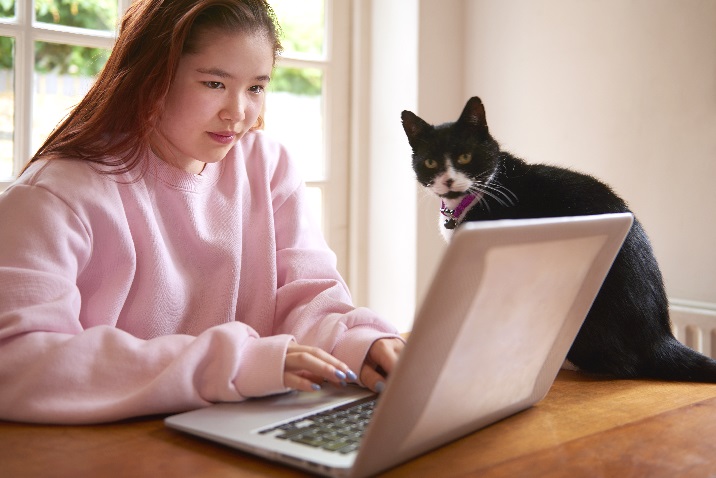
point(50, 51)
point(49, 55)
point(307, 106)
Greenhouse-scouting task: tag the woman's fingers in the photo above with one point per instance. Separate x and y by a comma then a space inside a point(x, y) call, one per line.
point(372, 378)
point(298, 382)
point(306, 368)
point(385, 353)
point(382, 357)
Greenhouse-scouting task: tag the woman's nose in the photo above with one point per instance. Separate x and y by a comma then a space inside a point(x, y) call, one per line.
point(233, 111)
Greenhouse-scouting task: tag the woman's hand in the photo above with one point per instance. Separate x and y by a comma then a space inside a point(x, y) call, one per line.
point(306, 368)
point(381, 359)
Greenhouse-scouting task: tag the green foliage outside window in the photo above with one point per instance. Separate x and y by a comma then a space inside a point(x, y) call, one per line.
point(101, 15)
point(298, 81)
point(92, 14)
point(7, 8)
point(6, 53)
point(60, 58)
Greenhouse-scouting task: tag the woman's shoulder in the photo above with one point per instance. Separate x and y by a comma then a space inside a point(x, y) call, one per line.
point(263, 153)
point(70, 180)
point(258, 142)
point(258, 146)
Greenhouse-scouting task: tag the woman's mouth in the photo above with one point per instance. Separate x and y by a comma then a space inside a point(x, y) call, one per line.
point(222, 137)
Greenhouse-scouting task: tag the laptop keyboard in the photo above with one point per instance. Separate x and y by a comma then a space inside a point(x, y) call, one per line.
point(339, 429)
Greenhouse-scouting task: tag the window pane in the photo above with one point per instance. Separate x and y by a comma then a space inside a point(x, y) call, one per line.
point(63, 74)
point(7, 106)
point(314, 197)
point(7, 8)
point(303, 25)
point(294, 115)
point(92, 14)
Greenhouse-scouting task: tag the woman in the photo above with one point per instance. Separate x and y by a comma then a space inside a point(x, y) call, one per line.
point(157, 255)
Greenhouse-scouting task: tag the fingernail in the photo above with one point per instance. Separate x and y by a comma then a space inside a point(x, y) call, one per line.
point(315, 387)
point(351, 375)
point(344, 383)
point(379, 387)
point(340, 375)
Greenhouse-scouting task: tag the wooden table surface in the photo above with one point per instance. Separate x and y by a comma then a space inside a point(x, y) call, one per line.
point(585, 426)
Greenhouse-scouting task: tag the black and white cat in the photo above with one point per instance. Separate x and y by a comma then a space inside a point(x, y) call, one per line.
point(627, 332)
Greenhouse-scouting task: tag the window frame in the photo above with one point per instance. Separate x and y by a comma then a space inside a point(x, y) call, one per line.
point(26, 31)
point(335, 65)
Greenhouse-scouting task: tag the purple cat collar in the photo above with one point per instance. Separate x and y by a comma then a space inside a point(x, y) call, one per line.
point(453, 215)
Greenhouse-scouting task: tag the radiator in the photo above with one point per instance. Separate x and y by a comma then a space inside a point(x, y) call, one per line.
point(694, 324)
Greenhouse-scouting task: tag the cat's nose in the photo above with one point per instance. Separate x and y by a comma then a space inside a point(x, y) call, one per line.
point(449, 182)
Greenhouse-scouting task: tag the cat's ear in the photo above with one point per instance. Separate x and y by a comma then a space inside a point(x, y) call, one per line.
point(413, 125)
point(473, 115)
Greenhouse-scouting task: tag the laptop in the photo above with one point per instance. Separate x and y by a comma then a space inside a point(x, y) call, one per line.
point(495, 326)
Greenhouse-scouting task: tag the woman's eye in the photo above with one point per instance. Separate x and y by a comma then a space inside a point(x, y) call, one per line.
point(464, 158)
point(256, 89)
point(214, 85)
point(431, 163)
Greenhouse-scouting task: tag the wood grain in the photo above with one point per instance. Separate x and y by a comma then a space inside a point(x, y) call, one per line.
point(586, 426)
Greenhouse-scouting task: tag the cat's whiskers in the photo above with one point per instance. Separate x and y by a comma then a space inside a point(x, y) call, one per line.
point(492, 188)
point(510, 199)
point(484, 203)
point(499, 196)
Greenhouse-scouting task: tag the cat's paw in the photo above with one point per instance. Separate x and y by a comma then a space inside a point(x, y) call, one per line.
point(567, 365)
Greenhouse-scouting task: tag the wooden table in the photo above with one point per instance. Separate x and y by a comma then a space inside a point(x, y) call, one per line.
point(585, 426)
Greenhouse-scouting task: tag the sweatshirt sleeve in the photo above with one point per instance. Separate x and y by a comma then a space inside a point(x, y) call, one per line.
point(55, 369)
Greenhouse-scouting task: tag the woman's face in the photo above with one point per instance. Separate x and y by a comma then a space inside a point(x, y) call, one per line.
point(214, 99)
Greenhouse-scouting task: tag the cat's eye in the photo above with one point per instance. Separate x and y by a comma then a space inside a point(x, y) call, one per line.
point(464, 158)
point(431, 163)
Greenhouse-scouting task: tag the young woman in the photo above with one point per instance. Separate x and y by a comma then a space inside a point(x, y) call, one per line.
point(156, 254)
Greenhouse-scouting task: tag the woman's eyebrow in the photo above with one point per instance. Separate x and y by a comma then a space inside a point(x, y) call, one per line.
point(215, 72)
point(218, 72)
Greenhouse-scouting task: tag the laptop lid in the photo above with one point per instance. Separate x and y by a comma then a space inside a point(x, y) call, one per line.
point(494, 328)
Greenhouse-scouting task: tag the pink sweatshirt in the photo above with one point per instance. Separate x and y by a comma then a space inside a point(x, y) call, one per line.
point(122, 297)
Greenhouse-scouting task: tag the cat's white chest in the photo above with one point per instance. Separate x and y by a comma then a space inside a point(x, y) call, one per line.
point(444, 231)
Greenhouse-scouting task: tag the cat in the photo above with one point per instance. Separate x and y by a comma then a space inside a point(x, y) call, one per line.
point(627, 332)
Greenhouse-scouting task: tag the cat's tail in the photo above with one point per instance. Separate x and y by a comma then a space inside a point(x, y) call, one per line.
point(675, 361)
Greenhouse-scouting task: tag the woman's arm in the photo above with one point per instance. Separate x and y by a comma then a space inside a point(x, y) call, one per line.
point(56, 368)
point(313, 301)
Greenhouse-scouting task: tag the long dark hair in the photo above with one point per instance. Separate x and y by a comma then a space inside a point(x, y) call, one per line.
point(113, 123)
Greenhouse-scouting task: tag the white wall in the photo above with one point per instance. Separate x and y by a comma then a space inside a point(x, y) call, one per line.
point(623, 90)
point(383, 210)
point(441, 86)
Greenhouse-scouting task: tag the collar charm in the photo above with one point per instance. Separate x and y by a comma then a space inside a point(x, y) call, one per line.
point(453, 215)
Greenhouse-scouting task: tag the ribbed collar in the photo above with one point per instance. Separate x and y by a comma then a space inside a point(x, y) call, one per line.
point(179, 179)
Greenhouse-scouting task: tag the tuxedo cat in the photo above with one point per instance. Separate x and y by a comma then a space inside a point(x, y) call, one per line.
point(627, 332)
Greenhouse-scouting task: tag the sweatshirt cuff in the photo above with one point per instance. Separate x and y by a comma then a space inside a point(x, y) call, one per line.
point(262, 367)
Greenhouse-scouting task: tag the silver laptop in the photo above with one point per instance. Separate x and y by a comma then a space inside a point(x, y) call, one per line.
point(493, 331)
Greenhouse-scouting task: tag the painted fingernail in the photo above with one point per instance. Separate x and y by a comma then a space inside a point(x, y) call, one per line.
point(379, 387)
point(315, 387)
point(340, 375)
point(351, 375)
point(344, 383)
